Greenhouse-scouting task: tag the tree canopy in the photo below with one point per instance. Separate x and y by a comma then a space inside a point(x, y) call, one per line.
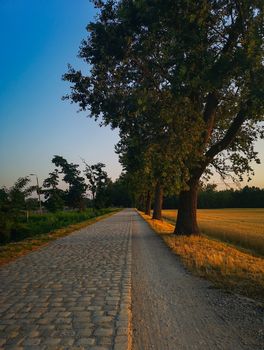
point(71, 175)
point(98, 182)
point(188, 76)
point(54, 196)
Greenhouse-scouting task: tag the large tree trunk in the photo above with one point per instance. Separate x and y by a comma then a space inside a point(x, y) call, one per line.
point(158, 200)
point(148, 204)
point(186, 223)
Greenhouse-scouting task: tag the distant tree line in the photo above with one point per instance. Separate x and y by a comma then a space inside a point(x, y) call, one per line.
point(210, 198)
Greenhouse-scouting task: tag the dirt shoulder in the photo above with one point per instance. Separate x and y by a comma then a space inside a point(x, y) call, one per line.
point(173, 309)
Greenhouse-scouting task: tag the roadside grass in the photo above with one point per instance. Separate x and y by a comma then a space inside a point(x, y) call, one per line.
point(224, 265)
point(14, 250)
point(241, 227)
point(20, 227)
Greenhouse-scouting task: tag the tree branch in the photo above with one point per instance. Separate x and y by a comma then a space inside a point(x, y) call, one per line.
point(234, 32)
point(230, 134)
point(209, 115)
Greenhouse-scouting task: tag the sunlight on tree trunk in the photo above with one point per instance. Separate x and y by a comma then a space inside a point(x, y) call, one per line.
point(186, 223)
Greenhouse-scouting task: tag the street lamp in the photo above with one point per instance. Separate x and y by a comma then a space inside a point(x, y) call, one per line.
point(40, 207)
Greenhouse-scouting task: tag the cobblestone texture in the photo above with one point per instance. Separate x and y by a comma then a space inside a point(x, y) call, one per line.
point(72, 294)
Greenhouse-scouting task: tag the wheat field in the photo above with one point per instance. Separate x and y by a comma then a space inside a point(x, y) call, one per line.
point(223, 264)
point(242, 227)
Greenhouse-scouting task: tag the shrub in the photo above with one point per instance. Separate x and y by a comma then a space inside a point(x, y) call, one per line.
point(5, 229)
point(19, 231)
point(19, 228)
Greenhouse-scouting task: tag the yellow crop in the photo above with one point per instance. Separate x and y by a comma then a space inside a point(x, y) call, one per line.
point(217, 261)
point(242, 227)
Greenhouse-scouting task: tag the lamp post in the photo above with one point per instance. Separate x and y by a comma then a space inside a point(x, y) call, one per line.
point(40, 206)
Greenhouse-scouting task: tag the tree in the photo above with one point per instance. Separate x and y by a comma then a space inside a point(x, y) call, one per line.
point(4, 200)
point(150, 162)
point(249, 197)
point(122, 193)
point(5, 219)
point(32, 204)
point(98, 183)
point(189, 70)
point(54, 196)
point(133, 157)
point(207, 196)
point(134, 104)
point(13, 201)
point(18, 194)
point(74, 197)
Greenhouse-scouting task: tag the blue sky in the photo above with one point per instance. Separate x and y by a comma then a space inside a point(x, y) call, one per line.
point(38, 39)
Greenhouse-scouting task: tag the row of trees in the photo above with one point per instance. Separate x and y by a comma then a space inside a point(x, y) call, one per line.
point(183, 81)
point(94, 179)
point(93, 188)
point(119, 193)
point(66, 187)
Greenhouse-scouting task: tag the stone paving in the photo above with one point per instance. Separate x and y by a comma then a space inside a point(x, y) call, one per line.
point(72, 294)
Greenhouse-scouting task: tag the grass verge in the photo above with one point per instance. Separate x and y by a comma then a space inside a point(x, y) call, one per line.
point(14, 229)
point(14, 250)
point(225, 266)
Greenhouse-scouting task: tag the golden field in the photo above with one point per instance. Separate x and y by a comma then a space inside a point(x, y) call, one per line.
point(224, 265)
point(242, 227)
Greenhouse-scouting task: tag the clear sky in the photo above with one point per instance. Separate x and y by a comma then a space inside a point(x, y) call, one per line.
point(38, 39)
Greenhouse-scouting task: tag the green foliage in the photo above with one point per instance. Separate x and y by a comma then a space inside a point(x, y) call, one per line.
point(121, 192)
point(4, 199)
point(5, 227)
point(45, 223)
point(55, 202)
point(53, 195)
point(182, 79)
point(32, 204)
point(12, 202)
point(74, 196)
point(186, 76)
point(17, 217)
point(18, 193)
point(210, 198)
point(98, 184)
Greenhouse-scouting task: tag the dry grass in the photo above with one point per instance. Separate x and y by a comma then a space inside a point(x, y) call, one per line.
point(224, 265)
point(242, 227)
point(12, 251)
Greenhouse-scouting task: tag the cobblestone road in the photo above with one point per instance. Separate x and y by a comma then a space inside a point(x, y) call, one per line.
point(72, 294)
